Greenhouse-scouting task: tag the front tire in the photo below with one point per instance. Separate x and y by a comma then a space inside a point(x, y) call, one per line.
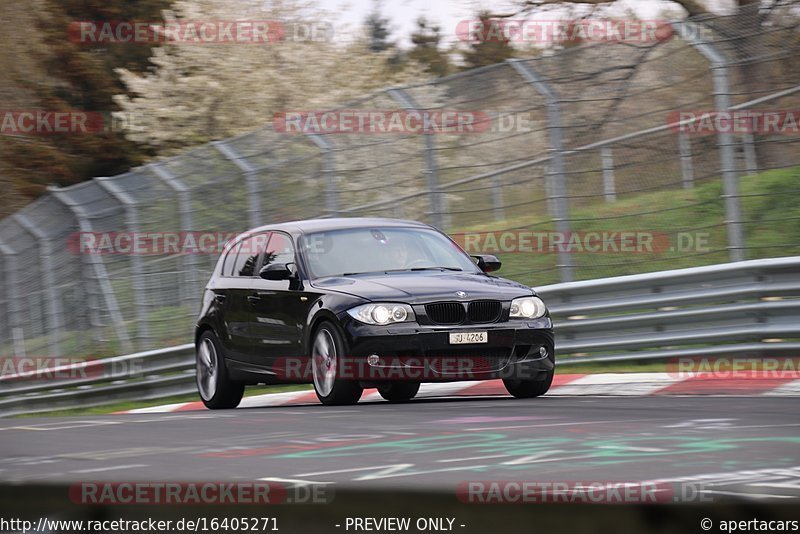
point(328, 351)
point(527, 389)
point(399, 391)
point(217, 391)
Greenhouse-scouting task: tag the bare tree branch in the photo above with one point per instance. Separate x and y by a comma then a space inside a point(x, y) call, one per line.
point(692, 7)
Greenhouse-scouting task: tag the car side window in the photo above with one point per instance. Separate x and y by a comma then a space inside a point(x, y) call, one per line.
point(229, 261)
point(247, 255)
point(279, 250)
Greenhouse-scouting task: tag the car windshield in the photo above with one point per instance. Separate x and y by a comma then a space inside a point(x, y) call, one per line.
point(355, 251)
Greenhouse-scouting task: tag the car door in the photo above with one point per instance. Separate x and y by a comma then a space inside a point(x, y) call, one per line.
point(240, 271)
point(280, 308)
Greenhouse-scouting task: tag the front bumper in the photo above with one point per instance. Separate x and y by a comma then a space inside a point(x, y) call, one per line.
point(516, 349)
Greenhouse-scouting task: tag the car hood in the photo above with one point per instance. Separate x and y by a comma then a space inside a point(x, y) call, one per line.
point(416, 288)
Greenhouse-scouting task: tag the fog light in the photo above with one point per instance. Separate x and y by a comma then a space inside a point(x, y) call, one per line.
point(542, 352)
point(373, 359)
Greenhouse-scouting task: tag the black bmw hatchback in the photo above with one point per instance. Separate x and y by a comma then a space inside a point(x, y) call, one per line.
point(348, 304)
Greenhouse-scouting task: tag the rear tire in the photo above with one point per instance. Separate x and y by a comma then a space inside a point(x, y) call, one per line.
point(328, 351)
point(217, 391)
point(527, 389)
point(399, 391)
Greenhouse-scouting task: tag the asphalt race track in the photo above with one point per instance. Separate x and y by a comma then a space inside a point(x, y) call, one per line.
point(729, 447)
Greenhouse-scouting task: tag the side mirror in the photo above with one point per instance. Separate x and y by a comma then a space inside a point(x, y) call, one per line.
point(488, 263)
point(276, 271)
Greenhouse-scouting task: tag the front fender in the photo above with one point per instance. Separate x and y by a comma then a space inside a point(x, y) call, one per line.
point(328, 307)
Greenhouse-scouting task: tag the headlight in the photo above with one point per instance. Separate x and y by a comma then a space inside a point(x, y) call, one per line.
point(380, 314)
point(527, 308)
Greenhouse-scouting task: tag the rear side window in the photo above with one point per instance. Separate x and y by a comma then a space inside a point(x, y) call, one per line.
point(247, 253)
point(230, 260)
point(279, 250)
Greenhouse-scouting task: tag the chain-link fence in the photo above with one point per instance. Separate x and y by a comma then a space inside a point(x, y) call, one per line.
point(591, 141)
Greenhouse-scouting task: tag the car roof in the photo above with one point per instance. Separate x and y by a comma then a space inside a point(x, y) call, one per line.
point(340, 223)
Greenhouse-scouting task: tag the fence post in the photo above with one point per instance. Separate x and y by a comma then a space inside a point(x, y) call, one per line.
point(749, 148)
point(725, 140)
point(13, 299)
point(188, 290)
point(609, 184)
point(250, 180)
point(436, 200)
point(556, 171)
point(498, 207)
point(687, 166)
point(138, 285)
point(53, 307)
point(328, 171)
point(98, 268)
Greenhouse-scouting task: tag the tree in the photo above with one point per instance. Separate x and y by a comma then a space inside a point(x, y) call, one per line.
point(195, 94)
point(79, 77)
point(378, 30)
point(692, 7)
point(488, 46)
point(426, 40)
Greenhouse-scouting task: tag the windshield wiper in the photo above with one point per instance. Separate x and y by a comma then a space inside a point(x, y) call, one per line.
point(412, 269)
point(437, 268)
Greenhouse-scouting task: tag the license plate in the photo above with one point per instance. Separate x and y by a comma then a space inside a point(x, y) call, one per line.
point(464, 338)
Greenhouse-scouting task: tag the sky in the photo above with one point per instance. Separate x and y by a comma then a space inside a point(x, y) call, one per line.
point(403, 13)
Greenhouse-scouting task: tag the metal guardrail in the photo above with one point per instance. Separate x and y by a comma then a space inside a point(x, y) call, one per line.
point(737, 309)
point(154, 374)
point(743, 308)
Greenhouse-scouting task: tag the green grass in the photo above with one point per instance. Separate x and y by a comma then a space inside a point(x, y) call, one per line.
point(622, 367)
point(770, 209)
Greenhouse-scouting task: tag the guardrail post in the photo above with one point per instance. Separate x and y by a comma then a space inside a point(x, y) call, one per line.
point(609, 184)
point(98, 269)
point(556, 171)
point(725, 140)
point(328, 171)
point(437, 201)
point(188, 290)
point(250, 179)
point(132, 222)
point(13, 299)
point(45, 254)
point(687, 166)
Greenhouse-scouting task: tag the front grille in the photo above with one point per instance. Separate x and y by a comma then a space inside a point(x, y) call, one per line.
point(484, 311)
point(446, 312)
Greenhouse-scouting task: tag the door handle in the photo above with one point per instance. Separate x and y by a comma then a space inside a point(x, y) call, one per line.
point(253, 299)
